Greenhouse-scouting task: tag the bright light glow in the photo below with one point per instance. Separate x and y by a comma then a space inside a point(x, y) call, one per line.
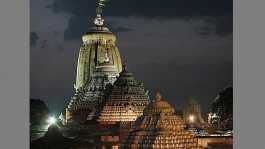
point(51, 120)
point(191, 118)
point(214, 115)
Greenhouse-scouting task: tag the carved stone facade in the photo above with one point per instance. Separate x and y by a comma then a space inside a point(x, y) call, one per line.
point(159, 127)
point(192, 112)
point(98, 44)
point(126, 101)
point(99, 65)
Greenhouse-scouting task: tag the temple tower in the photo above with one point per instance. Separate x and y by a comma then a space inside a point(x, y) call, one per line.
point(98, 57)
point(126, 101)
point(192, 112)
point(159, 127)
point(99, 65)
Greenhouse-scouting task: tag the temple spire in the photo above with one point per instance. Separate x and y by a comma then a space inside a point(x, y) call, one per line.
point(124, 67)
point(99, 21)
point(158, 96)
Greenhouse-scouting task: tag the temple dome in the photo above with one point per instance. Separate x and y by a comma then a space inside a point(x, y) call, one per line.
point(159, 127)
point(158, 106)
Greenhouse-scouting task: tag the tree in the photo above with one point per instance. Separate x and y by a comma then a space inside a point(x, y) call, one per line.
point(38, 112)
point(222, 108)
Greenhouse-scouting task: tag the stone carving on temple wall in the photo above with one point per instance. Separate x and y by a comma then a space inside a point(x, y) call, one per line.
point(159, 127)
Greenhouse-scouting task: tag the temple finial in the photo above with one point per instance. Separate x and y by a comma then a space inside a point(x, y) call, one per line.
point(158, 96)
point(99, 21)
point(124, 66)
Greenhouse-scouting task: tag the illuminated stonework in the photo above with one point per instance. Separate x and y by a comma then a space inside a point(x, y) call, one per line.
point(126, 101)
point(192, 112)
point(159, 127)
point(98, 45)
point(99, 65)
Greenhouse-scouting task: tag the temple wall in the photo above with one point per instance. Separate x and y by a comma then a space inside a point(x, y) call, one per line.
point(91, 55)
point(205, 140)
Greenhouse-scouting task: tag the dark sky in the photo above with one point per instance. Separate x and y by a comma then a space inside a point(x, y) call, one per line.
point(182, 47)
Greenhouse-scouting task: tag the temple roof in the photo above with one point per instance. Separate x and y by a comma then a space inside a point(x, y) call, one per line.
point(158, 106)
point(126, 78)
point(99, 30)
point(159, 127)
point(126, 100)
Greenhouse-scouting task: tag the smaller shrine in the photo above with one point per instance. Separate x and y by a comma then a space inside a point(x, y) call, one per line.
point(192, 113)
point(126, 100)
point(159, 127)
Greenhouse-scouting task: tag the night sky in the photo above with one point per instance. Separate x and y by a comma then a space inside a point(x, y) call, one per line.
point(184, 48)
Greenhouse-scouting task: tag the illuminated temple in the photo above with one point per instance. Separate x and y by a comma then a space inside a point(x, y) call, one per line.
point(192, 112)
point(159, 127)
point(126, 101)
point(99, 65)
point(110, 109)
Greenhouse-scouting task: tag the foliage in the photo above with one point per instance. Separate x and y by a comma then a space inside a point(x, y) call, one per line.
point(38, 112)
point(222, 106)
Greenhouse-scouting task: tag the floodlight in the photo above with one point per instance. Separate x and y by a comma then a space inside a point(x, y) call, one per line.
point(51, 120)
